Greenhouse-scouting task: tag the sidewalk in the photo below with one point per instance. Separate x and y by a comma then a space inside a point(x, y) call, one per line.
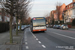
point(6, 38)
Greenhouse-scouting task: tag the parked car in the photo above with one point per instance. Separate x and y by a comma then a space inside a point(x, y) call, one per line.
point(57, 26)
point(54, 26)
point(28, 26)
point(22, 27)
point(47, 25)
point(18, 28)
point(51, 26)
point(64, 26)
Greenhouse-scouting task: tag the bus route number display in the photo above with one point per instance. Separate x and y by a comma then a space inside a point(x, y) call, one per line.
point(37, 18)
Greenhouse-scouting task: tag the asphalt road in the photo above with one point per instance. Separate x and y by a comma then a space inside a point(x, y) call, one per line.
point(52, 39)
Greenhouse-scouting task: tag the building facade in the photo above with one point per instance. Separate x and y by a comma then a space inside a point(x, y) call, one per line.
point(4, 17)
point(59, 12)
point(69, 12)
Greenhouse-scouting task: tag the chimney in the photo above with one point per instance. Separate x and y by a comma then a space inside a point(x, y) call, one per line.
point(73, 0)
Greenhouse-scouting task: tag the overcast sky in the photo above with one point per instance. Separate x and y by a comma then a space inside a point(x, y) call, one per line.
point(43, 7)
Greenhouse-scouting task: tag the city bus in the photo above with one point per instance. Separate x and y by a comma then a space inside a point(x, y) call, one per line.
point(38, 24)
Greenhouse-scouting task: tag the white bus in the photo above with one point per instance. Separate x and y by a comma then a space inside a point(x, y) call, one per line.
point(38, 24)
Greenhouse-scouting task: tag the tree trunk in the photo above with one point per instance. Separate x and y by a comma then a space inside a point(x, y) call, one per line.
point(16, 26)
point(11, 36)
point(17, 20)
point(20, 25)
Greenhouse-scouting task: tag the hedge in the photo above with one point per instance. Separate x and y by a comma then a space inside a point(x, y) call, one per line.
point(4, 26)
point(73, 22)
point(69, 23)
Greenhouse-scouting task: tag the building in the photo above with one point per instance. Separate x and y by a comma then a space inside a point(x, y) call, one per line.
point(69, 12)
point(53, 16)
point(59, 12)
point(4, 17)
point(56, 15)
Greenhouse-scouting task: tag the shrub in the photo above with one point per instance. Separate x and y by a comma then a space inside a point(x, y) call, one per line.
point(73, 22)
point(4, 26)
point(69, 23)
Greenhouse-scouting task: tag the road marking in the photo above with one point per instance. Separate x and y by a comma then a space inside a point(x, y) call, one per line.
point(26, 43)
point(39, 41)
point(43, 46)
point(36, 38)
point(33, 35)
point(64, 35)
point(27, 47)
point(25, 36)
point(25, 40)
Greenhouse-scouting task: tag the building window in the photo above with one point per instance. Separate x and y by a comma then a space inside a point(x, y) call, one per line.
point(74, 12)
point(66, 7)
point(74, 4)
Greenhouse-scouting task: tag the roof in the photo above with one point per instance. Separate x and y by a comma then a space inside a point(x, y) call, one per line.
point(68, 6)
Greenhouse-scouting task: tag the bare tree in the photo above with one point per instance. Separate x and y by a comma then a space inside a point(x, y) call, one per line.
point(12, 8)
point(58, 7)
point(52, 17)
point(24, 8)
point(47, 18)
point(9, 8)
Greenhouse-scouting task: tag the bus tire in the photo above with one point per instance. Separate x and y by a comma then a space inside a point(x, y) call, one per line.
point(43, 31)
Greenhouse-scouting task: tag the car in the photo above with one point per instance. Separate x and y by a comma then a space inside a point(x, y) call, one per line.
point(54, 26)
point(22, 28)
point(47, 25)
point(64, 26)
point(57, 27)
point(51, 26)
point(28, 26)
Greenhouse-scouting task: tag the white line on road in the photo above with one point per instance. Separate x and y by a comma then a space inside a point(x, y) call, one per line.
point(39, 41)
point(33, 35)
point(36, 38)
point(27, 47)
point(25, 40)
point(26, 43)
point(25, 36)
point(64, 35)
point(43, 46)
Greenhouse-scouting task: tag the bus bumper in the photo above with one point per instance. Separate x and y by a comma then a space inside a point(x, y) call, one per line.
point(39, 30)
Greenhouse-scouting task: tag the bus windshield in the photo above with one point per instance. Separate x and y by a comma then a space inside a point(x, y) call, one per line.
point(39, 22)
